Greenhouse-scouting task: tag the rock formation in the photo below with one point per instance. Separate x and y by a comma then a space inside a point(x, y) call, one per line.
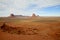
point(11, 15)
point(33, 15)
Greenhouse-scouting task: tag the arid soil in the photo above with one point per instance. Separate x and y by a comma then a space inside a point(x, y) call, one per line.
point(33, 29)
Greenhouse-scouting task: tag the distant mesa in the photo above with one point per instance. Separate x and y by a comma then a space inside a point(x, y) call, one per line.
point(38, 15)
point(12, 15)
point(33, 15)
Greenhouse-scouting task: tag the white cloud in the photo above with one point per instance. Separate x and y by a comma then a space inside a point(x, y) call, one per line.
point(22, 4)
point(46, 3)
point(19, 6)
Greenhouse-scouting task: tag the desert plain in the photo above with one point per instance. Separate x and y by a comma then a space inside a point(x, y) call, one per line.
point(37, 28)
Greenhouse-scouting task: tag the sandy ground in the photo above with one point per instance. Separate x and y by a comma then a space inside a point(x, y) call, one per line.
point(46, 31)
point(42, 36)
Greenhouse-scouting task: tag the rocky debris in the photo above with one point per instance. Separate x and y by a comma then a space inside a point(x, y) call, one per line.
point(19, 30)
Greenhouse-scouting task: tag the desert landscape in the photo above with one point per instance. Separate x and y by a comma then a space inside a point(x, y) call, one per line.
point(29, 28)
point(29, 19)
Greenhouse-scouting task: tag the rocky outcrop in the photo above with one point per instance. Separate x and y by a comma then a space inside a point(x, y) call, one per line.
point(19, 30)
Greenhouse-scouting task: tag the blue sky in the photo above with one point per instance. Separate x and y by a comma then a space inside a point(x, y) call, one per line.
point(27, 7)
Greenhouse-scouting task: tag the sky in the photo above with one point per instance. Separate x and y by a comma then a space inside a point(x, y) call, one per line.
point(28, 7)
